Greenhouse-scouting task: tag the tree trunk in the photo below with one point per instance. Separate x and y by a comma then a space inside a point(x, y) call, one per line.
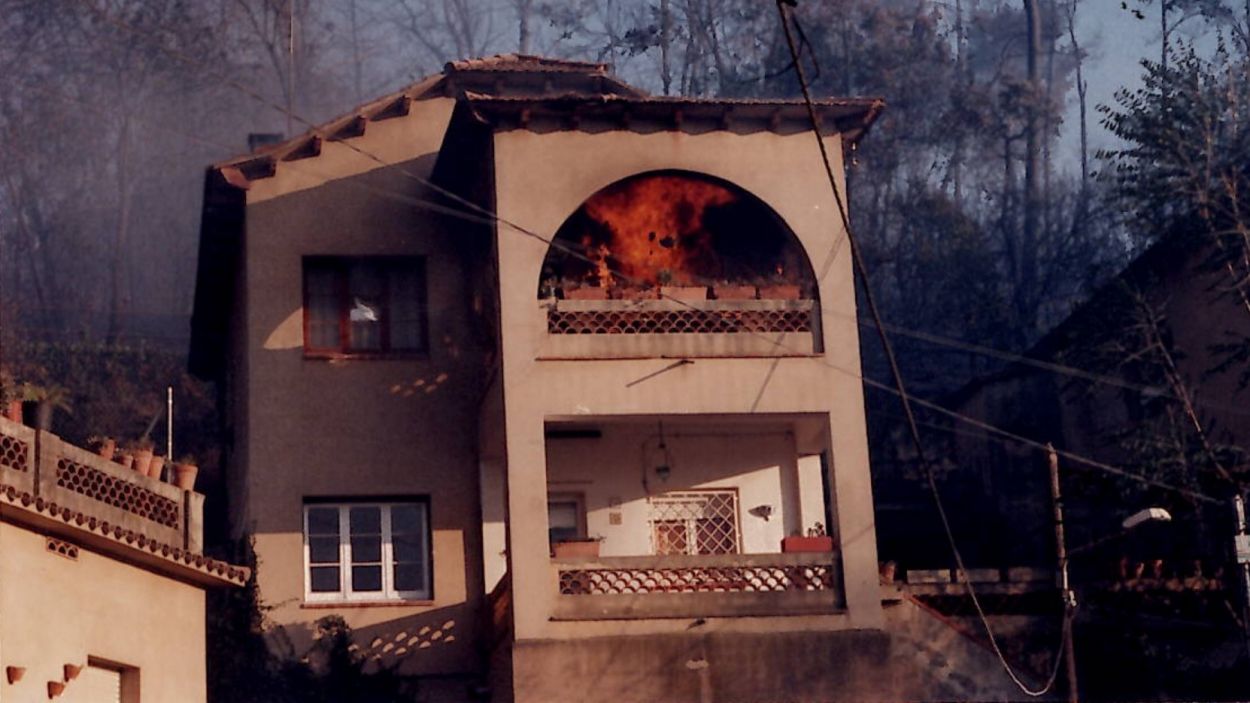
point(666, 35)
point(523, 25)
point(1032, 165)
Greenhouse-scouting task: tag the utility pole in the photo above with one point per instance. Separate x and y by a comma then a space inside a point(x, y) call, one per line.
point(1241, 547)
point(1065, 588)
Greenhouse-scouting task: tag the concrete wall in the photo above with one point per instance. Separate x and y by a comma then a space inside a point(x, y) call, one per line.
point(916, 656)
point(56, 611)
point(540, 180)
point(318, 428)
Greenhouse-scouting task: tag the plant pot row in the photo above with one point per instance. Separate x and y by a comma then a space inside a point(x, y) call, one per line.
point(145, 462)
point(687, 293)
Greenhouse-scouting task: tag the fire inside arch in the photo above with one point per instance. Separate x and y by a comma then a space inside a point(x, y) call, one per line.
point(674, 228)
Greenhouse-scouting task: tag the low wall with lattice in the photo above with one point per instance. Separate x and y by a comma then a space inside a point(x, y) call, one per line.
point(698, 585)
point(697, 328)
point(55, 472)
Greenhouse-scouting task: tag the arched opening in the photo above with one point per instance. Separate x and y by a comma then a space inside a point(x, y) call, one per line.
point(675, 229)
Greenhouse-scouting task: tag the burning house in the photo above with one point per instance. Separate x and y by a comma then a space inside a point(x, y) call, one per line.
point(551, 388)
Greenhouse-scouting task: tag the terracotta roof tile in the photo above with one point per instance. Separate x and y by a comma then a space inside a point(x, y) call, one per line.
point(525, 62)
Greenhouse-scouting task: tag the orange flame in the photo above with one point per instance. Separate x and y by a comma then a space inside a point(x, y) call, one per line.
point(656, 223)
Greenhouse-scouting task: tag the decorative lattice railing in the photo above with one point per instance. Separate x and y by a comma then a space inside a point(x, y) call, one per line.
point(117, 492)
point(698, 585)
point(16, 454)
point(673, 317)
point(712, 579)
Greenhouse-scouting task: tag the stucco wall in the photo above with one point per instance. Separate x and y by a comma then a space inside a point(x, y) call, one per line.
point(540, 180)
point(54, 611)
point(365, 427)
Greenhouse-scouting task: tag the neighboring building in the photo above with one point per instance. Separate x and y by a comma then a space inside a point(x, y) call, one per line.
point(425, 403)
point(102, 578)
point(1170, 325)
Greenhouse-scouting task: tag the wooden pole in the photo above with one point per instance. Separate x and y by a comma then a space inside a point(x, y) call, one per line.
point(1061, 550)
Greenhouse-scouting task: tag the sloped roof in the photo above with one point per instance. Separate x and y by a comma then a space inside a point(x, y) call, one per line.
point(850, 117)
point(525, 62)
point(508, 90)
point(508, 74)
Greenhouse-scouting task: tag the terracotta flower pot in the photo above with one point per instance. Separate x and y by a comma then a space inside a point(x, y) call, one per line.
point(633, 293)
point(576, 549)
point(143, 457)
point(683, 292)
point(184, 476)
point(55, 688)
point(155, 466)
point(13, 410)
point(823, 543)
point(14, 673)
point(786, 291)
point(586, 293)
point(126, 459)
point(108, 446)
point(734, 292)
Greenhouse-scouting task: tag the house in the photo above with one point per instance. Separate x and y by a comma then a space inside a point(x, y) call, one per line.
point(528, 376)
point(102, 577)
point(1142, 390)
point(1126, 379)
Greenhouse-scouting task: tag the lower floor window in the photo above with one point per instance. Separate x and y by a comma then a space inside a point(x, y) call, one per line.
point(367, 551)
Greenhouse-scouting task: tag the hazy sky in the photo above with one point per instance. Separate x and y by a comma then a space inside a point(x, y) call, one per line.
point(1117, 42)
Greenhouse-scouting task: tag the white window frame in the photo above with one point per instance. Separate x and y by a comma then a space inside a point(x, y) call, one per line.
point(345, 594)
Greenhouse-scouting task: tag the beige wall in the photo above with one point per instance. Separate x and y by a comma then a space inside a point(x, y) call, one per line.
point(371, 427)
point(54, 611)
point(540, 180)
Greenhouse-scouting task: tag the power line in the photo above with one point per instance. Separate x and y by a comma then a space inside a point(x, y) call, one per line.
point(486, 216)
point(913, 430)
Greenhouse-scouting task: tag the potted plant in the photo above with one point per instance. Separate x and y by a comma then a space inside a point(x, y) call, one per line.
point(185, 471)
point(10, 397)
point(40, 403)
point(126, 455)
point(730, 291)
point(141, 449)
point(814, 541)
point(577, 548)
point(586, 293)
point(155, 466)
point(106, 447)
point(780, 291)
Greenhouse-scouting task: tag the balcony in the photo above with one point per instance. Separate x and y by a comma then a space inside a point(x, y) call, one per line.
point(711, 585)
point(72, 486)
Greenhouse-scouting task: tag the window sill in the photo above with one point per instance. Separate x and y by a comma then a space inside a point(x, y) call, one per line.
point(339, 604)
point(365, 356)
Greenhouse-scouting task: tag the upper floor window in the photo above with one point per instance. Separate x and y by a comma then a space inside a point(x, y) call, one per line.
point(367, 551)
point(364, 305)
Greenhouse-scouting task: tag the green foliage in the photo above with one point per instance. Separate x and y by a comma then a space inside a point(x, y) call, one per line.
point(119, 391)
point(1183, 169)
point(242, 667)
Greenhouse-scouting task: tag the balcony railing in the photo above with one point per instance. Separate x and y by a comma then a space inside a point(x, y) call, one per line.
point(96, 491)
point(702, 585)
point(708, 328)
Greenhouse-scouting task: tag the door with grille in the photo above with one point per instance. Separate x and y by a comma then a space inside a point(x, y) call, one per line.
point(695, 522)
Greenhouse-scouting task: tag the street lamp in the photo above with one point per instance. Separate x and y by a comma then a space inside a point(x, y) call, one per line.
point(1137, 519)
